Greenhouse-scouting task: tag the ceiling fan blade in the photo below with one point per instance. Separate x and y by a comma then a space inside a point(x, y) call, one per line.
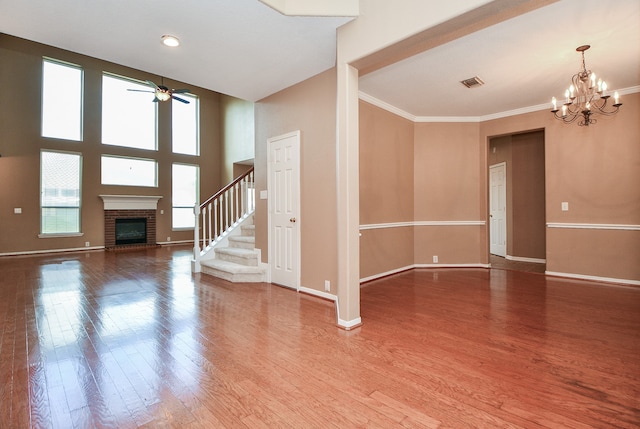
point(180, 99)
point(155, 99)
point(139, 90)
point(152, 84)
point(180, 91)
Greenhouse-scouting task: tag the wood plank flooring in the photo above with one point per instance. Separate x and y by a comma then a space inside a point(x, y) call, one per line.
point(133, 339)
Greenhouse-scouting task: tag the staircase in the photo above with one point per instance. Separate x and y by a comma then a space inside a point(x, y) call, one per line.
point(227, 247)
point(239, 262)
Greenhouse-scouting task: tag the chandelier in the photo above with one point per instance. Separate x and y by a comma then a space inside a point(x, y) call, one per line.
point(585, 97)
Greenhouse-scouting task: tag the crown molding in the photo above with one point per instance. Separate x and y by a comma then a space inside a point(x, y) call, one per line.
point(419, 119)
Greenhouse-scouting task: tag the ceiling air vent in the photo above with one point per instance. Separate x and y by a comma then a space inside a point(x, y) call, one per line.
point(472, 82)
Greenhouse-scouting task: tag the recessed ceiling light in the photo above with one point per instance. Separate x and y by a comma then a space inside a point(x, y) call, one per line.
point(171, 41)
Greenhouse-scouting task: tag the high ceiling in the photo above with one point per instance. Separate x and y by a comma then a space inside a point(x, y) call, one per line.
point(248, 50)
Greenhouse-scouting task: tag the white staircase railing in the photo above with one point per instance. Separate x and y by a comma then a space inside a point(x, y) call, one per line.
point(221, 212)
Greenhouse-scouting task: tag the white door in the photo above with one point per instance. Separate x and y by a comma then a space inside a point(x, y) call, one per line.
point(498, 209)
point(284, 209)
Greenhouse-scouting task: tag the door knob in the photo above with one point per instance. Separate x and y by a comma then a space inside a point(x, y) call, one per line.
point(293, 220)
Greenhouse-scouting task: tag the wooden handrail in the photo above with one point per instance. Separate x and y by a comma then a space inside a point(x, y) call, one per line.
point(226, 188)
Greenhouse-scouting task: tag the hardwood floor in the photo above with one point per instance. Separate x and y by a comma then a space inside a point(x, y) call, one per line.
point(133, 339)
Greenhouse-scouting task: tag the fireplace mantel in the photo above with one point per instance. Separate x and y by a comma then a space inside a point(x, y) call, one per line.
point(130, 202)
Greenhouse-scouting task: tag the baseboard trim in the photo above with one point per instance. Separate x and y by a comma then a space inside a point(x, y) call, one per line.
point(422, 223)
point(40, 252)
point(523, 259)
point(348, 325)
point(169, 243)
point(593, 278)
point(318, 293)
point(411, 267)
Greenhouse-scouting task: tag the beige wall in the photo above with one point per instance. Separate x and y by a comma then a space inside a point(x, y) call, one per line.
point(310, 107)
point(449, 178)
point(238, 135)
point(386, 190)
point(595, 169)
point(20, 145)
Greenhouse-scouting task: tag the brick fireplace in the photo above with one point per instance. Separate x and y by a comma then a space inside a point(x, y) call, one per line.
point(129, 207)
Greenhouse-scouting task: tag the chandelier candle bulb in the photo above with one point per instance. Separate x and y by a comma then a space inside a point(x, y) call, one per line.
point(553, 101)
point(616, 97)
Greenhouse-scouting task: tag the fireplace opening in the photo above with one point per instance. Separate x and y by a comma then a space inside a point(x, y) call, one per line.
point(131, 231)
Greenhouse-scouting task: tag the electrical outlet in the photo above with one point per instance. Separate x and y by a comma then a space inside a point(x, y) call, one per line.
point(168, 238)
point(327, 285)
point(435, 259)
point(564, 206)
point(86, 244)
point(17, 210)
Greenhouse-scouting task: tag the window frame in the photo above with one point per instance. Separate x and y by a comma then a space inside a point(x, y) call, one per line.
point(195, 100)
point(70, 65)
point(79, 232)
point(134, 158)
point(132, 82)
point(197, 196)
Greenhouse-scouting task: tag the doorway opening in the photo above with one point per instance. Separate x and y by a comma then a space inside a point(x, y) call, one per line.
point(522, 157)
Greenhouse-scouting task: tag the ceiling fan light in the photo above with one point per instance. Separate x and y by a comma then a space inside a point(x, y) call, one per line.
point(171, 41)
point(162, 96)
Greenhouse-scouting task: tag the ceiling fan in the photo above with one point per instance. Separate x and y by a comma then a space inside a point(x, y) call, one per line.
point(162, 93)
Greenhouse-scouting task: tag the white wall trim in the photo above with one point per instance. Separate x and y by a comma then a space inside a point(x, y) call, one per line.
point(385, 106)
point(38, 252)
point(419, 119)
point(594, 278)
point(387, 273)
point(452, 265)
point(318, 293)
point(169, 243)
point(413, 266)
point(130, 202)
point(523, 259)
point(349, 324)
point(610, 226)
point(423, 223)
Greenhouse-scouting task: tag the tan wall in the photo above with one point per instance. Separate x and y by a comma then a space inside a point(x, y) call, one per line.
point(238, 135)
point(310, 107)
point(595, 169)
point(20, 145)
point(450, 175)
point(386, 190)
point(528, 196)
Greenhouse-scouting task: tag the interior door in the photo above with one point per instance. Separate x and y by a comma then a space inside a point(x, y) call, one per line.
point(284, 209)
point(498, 209)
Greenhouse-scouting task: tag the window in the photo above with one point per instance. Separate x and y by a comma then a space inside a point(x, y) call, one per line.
point(184, 190)
point(185, 125)
point(128, 117)
point(60, 192)
point(61, 100)
point(119, 170)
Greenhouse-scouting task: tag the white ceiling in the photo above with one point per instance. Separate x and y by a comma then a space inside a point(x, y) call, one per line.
point(246, 49)
point(241, 48)
point(523, 61)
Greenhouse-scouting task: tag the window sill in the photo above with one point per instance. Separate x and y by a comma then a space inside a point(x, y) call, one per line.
point(61, 235)
point(189, 228)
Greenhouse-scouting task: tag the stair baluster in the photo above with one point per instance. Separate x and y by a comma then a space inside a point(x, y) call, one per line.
point(223, 211)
